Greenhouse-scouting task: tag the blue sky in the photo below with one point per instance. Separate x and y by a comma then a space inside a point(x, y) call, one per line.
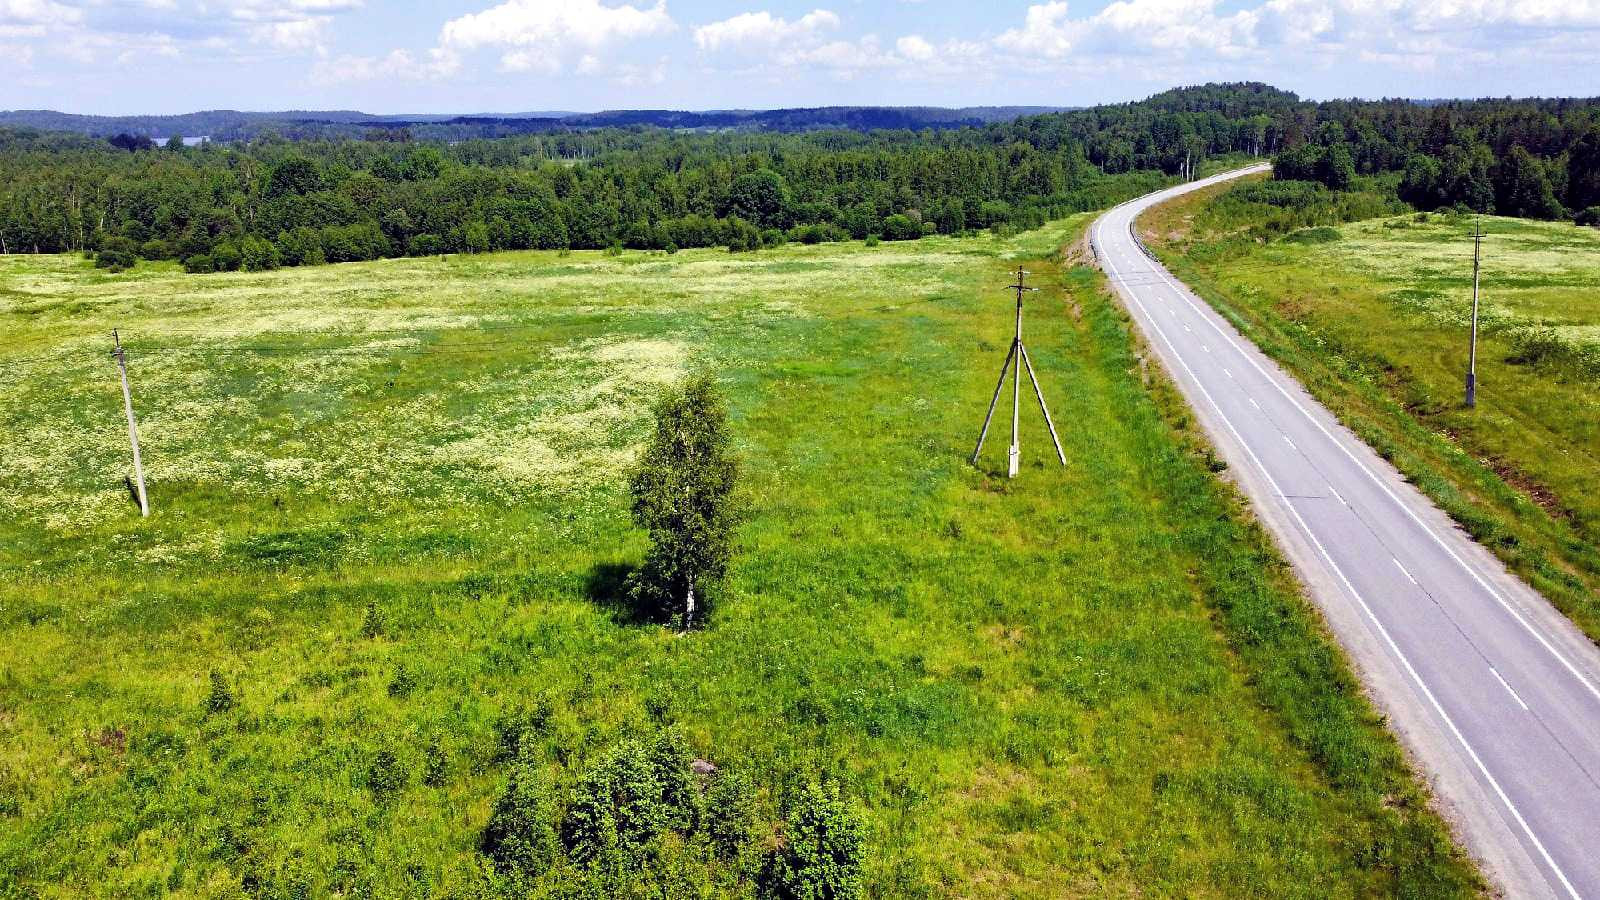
point(162, 56)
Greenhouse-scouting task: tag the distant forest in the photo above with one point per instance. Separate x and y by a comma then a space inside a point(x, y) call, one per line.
point(272, 201)
point(226, 125)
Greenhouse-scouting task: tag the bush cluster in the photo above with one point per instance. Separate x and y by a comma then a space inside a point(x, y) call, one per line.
point(638, 811)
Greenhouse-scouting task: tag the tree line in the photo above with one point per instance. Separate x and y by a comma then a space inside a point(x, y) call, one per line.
point(270, 203)
point(274, 202)
point(1536, 159)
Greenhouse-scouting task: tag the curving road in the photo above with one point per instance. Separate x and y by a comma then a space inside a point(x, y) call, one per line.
point(1494, 693)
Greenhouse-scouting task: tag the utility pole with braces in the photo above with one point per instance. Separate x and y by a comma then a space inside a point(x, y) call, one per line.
point(1018, 358)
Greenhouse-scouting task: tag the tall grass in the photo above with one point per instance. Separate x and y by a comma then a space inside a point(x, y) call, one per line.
point(1094, 679)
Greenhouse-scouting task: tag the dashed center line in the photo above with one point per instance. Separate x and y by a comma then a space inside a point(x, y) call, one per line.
point(1513, 693)
point(1253, 402)
point(1407, 574)
point(1290, 443)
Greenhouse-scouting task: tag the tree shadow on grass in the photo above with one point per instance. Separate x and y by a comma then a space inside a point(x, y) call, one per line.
point(607, 588)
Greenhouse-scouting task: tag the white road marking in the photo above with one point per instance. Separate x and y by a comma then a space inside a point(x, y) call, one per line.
point(1253, 402)
point(1336, 495)
point(1513, 693)
point(1290, 443)
point(1226, 372)
point(1367, 610)
point(1408, 575)
point(1482, 582)
point(1204, 348)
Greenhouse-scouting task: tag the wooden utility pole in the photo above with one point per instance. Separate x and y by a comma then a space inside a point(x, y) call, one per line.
point(1016, 361)
point(133, 426)
point(1472, 349)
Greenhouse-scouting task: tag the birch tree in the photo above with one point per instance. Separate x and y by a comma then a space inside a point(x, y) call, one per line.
point(683, 496)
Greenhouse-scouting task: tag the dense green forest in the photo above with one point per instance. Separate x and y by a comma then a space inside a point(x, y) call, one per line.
point(272, 201)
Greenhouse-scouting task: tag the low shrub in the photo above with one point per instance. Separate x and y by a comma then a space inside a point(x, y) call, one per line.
point(730, 814)
point(616, 810)
point(823, 850)
point(403, 682)
point(115, 260)
point(670, 763)
point(1321, 234)
point(372, 624)
point(901, 228)
point(226, 257)
point(220, 699)
point(1545, 347)
point(435, 764)
point(519, 726)
point(521, 835)
point(817, 234)
point(741, 236)
point(386, 776)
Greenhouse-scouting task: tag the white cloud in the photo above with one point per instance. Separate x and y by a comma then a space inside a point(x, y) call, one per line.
point(295, 34)
point(761, 43)
point(1131, 44)
point(1198, 29)
point(1046, 30)
point(33, 18)
point(587, 23)
point(41, 12)
point(19, 56)
point(91, 33)
point(398, 65)
point(542, 35)
point(915, 48)
point(276, 10)
point(755, 30)
point(842, 58)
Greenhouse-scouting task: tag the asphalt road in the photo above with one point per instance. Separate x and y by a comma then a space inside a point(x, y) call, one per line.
point(1495, 695)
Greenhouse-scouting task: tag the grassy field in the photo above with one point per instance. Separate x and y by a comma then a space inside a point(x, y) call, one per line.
point(1373, 316)
point(389, 512)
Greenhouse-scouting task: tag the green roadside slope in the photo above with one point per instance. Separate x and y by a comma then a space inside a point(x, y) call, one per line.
point(1373, 316)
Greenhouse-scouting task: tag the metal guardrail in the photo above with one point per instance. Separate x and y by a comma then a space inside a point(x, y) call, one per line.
point(1139, 242)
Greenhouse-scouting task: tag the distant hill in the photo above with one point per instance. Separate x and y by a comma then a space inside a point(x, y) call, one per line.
point(231, 125)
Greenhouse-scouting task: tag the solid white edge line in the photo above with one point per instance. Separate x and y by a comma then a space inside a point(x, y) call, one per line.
point(1504, 604)
point(1371, 616)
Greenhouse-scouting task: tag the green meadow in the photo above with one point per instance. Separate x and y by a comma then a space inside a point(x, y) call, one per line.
point(390, 514)
point(1374, 316)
